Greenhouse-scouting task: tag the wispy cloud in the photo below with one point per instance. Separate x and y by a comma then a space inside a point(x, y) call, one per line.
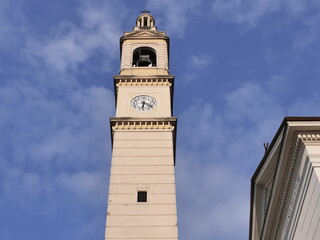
point(69, 44)
point(53, 149)
point(72, 126)
point(12, 31)
point(54, 114)
point(218, 151)
point(249, 11)
point(199, 61)
point(85, 185)
point(195, 64)
point(310, 34)
point(176, 14)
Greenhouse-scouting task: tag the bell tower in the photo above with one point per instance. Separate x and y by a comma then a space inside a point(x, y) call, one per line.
point(142, 195)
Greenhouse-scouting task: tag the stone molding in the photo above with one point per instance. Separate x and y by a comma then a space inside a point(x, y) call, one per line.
point(129, 81)
point(309, 136)
point(142, 125)
point(142, 34)
point(284, 209)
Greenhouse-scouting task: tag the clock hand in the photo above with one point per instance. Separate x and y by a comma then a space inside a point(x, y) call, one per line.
point(143, 102)
point(149, 105)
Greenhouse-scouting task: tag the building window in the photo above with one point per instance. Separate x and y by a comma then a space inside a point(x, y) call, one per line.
point(142, 196)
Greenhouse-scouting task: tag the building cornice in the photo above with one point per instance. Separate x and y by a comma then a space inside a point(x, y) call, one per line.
point(302, 134)
point(161, 80)
point(283, 124)
point(119, 123)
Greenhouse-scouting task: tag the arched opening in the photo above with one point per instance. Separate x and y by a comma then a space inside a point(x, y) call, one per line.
point(144, 57)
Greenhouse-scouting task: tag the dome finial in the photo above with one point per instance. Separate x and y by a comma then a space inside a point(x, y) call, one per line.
point(145, 11)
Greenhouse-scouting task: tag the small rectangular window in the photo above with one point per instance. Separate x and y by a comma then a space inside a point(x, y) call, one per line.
point(142, 196)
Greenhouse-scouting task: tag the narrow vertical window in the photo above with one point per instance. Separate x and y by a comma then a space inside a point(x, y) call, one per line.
point(142, 196)
point(145, 22)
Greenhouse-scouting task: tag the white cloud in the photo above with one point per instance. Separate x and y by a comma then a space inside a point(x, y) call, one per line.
point(55, 143)
point(195, 64)
point(251, 11)
point(209, 193)
point(309, 35)
point(85, 185)
point(84, 113)
point(70, 45)
point(248, 99)
point(296, 6)
point(21, 188)
point(44, 138)
point(50, 123)
point(218, 150)
point(12, 23)
point(176, 14)
point(244, 11)
point(199, 61)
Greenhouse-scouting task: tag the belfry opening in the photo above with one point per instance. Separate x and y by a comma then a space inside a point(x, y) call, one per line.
point(144, 57)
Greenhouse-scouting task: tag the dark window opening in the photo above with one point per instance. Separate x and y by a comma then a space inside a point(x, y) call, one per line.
point(144, 57)
point(145, 21)
point(142, 196)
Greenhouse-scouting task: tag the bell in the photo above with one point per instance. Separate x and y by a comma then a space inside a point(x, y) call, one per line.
point(144, 58)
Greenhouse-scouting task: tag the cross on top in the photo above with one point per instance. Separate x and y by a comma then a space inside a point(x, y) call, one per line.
point(145, 11)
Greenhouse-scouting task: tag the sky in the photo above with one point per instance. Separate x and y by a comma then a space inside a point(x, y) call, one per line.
point(240, 67)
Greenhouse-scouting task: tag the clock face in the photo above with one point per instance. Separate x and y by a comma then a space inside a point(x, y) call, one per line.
point(143, 103)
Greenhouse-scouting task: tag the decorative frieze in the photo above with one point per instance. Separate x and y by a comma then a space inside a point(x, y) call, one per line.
point(118, 123)
point(143, 125)
point(309, 137)
point(143, 82)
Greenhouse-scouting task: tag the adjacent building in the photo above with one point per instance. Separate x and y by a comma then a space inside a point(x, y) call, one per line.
point(285, 188)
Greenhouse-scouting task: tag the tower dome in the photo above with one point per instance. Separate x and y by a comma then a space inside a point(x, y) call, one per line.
point(145, 21)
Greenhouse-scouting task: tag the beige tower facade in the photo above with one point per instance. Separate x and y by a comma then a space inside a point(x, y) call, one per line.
point(142, 192)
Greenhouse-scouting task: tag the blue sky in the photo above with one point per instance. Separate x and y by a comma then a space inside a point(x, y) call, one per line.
point(241, 66)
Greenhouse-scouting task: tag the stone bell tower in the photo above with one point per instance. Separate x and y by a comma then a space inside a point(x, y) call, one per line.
point(142, 195)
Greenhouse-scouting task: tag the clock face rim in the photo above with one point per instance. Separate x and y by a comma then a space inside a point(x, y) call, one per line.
point(149, 104)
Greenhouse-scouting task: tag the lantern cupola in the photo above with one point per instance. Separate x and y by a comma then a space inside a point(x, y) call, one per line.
point(145, 21)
